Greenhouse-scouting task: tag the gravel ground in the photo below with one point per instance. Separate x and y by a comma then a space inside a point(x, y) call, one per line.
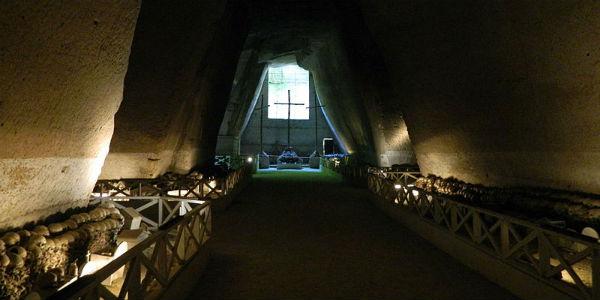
point(294, 235)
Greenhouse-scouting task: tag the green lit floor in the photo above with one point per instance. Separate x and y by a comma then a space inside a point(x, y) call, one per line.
point(302, 235)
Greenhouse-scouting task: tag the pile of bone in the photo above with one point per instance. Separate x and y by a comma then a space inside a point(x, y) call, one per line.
point(172, 181)
point(102, 225)
point(44, 255)
point(456, 188)
point(195, 175)
point(577, 209)
point(14, 276)
point(404, 168)
point(114, 185)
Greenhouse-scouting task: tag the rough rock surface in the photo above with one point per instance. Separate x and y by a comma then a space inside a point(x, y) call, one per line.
point(181, 68)
point(245, 92)
point(61, 81)
point(498, 93)
point(165, 69)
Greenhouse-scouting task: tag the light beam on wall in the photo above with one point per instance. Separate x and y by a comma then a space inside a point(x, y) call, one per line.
point(333, 129)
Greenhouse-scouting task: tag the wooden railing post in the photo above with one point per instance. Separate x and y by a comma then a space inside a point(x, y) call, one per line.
point(596, 274)
point(476, 227)
point(544, 254)
point(504, 238)
point(437, 210)
point(160, 212)
point(133, 284)
point(453, 218)
point(161, 258)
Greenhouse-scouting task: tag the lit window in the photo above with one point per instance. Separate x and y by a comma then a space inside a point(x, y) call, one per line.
point(294, 79)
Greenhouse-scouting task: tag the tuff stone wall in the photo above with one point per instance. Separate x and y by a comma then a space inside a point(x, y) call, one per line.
point(170, 43)
point(61, 81)
point(338, 92)
point(181, 69)
point(245, 91)
point(353, 82)
point(498, 93)
point(215, 88)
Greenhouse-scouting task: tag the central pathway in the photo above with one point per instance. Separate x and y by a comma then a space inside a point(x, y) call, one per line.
point(293, 235)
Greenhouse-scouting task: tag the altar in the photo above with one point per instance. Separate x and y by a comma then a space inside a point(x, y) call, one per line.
point(289, 160)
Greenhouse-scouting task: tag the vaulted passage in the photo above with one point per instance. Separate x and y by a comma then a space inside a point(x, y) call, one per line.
point(127, 126)
point(325, 242)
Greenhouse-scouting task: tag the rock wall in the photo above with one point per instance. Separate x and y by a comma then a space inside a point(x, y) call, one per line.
point(61, 81)
point(353, 83)
point(340, 95)
point(244, 96)
point(392, 143)
point(215, 88)
point(497, 92)
point(181, 69)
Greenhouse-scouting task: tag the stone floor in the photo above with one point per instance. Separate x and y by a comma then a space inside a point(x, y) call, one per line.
point(294, 235)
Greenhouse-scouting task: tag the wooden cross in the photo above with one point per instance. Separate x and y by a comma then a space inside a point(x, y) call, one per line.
point(316, 107)
point(289, 105)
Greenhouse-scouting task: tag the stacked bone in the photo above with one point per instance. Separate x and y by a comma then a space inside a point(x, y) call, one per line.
point(171, 181)
point(453, 187)
point(14, 275)
point(404, 168)
point(46, 255)
point(102, 225)
point(577, 209)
